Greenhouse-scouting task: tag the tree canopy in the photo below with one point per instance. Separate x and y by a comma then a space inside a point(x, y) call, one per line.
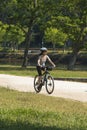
point(55, 36)
point(58, 21)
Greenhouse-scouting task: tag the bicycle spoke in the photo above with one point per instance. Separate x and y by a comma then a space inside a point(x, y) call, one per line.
point(50, 84)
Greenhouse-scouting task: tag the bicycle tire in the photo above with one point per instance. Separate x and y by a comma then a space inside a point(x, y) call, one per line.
point(51, 84)
point(36, 86)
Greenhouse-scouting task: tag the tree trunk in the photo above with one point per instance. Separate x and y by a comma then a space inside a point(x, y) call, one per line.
point(54, 47)
point(72, 61)
point(27, 43)
point(76, 49)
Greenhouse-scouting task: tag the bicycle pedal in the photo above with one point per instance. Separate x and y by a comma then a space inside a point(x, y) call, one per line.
point(39, 87)
point(50, 84)
point(37, 83)
point(42, 84)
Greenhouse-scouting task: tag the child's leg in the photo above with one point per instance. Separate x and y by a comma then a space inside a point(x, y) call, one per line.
point(39, 73)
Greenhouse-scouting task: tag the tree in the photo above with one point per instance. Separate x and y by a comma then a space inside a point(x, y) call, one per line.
point(13, 37)
point(3, 28)
point(25, 14)
point(68, 17)
point(55, 36)
point(77, 28)
point(71, 18)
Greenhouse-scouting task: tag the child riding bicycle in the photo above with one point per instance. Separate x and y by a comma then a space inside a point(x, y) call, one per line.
point(41, 63)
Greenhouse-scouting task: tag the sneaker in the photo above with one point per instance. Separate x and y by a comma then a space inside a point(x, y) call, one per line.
point(39, 87)
point(37, 83)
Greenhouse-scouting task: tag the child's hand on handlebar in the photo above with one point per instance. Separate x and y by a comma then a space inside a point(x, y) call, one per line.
point(54, 66)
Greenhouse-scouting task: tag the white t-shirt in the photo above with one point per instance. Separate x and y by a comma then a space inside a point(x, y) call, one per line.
point(42, 60)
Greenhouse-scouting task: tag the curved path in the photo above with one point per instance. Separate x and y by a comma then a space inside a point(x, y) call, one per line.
point(65, 89)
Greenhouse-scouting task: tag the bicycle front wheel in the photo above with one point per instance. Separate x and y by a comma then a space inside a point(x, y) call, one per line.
point(49, 84)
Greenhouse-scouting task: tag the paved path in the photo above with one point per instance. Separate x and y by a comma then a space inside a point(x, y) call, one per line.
point(65, 89)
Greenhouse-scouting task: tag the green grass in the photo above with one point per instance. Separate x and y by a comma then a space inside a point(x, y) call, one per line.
point(29, 111)
point(31, 71)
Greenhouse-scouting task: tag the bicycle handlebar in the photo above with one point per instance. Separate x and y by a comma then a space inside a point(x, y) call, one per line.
point(50, 68)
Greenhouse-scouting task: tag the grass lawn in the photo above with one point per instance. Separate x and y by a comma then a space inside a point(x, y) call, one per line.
point(31, 71)
point(29, 111)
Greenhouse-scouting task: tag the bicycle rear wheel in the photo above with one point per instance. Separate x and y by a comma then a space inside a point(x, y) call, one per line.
point(49, 84)
point(37, 86)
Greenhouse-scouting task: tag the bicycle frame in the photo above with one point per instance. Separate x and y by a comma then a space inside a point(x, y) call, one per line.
point(46, 77)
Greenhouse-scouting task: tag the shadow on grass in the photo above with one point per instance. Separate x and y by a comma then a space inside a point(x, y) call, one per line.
point(25, 126)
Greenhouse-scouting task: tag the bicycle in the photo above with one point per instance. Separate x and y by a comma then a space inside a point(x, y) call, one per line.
point(46, 80)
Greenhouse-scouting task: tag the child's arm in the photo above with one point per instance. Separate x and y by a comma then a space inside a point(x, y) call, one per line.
point(38, 62)
point(48, 58)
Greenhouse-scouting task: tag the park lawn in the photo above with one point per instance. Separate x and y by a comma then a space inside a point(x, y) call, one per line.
point(30, 111)
point(31, 71)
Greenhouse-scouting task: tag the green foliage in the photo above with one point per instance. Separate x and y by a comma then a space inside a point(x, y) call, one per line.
point(59, 20)
point(55, 36)
point(71, 19)
point(78, 23)
point(3, 28)
point(10, 35)
point(13, 35)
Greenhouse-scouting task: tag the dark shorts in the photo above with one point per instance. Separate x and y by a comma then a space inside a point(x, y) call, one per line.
point(39, 70)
